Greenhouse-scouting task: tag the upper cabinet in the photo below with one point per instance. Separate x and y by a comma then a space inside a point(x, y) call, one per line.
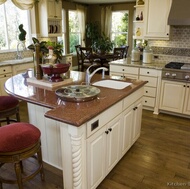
point(157, 12)
point(54, 9)
point(50, 18)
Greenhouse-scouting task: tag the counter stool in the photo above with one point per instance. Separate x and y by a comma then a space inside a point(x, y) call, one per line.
point(20, 141)
point(9, 106)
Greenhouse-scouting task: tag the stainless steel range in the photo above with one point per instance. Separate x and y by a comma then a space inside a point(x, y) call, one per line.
point(176, 71)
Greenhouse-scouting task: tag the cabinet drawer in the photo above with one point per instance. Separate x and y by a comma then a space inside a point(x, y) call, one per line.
point(124, 69)
point(152, 81)
point(5, 69)
point(150, 91)
point(132, 98)
point(121, 75)
point(148, 101)
point(96, 123)
point(148, 72)
point(8, 75)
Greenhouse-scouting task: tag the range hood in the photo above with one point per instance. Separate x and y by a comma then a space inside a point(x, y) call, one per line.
point(179, 13)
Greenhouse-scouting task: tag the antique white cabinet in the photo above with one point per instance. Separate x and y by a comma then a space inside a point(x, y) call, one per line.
point(22, 68)
point(50, 18)
point(124, 71)
point(157, 12)
point(175, 97)
point(152, 88)
point(103, 151)
point(5, 73)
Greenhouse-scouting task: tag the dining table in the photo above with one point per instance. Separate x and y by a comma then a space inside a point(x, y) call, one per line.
point(104, 58)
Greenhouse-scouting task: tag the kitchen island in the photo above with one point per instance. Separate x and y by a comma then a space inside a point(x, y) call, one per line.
point(84, 139)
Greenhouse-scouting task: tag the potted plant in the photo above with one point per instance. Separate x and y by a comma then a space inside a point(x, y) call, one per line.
point(44, 48)
point(103, 45)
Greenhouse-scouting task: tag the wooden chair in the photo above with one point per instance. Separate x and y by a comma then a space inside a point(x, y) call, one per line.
point(20, 141)
point(119, 52)
point(79, 59)
point(88, 59)
point(9, 106)
point(126, 51)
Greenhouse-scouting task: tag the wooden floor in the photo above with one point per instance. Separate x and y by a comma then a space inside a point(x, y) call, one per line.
point(160, 159)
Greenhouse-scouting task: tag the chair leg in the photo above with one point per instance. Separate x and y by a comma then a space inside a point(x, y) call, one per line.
point(8, 121)
point(18, 175)
point(39, 154)
point(18, 117)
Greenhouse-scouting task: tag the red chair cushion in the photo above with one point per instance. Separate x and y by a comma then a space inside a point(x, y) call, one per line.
point(18, 136)
point(8, 102)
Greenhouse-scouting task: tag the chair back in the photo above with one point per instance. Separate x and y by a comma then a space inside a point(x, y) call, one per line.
point(126, 51)
point(86, 54)
point(77, 47)
point(119, 52)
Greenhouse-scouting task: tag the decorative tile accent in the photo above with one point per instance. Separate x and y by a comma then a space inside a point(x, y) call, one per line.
point(175, 49)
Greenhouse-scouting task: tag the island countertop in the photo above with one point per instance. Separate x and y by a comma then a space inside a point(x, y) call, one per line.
point(74, 113)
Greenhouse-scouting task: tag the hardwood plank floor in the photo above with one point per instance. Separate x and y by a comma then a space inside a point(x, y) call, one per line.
point(160, 159)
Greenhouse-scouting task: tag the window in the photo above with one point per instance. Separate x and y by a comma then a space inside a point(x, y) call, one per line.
point(74, 31)
point(119, 28)
point(10, 18)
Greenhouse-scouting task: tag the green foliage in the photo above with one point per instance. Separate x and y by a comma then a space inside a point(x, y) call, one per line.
point(22, 35)
point(92, 31)
point(44, 47)
point(103, 44)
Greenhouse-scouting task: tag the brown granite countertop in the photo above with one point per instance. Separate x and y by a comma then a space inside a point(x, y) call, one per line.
point(74, 113)
point(140, 64)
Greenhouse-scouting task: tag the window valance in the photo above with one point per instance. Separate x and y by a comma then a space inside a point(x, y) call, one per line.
point(22, 4)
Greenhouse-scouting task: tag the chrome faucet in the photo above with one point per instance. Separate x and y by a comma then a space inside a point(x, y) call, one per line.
point(20, 49)
point(90, 75)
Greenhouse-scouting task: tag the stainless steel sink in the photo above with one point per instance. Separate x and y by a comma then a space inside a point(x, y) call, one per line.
point(77, 93)
point(114, 84)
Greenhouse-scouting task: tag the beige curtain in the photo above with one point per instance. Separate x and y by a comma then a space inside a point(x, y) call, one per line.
point(106, 15)
point(81, 11)
point(22, 4)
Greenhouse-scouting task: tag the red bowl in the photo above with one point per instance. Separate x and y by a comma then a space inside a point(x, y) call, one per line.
point(55, 68)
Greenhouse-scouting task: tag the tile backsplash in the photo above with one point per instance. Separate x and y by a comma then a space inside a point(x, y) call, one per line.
point(12, 55)
point(175, 49)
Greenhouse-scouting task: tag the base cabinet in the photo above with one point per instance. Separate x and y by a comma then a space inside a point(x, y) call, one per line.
point(89, 152)
point(175, 97)
point(131, 125)
point(5, 73)
point(103, 152)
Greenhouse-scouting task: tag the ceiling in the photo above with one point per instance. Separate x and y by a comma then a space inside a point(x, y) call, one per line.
point(102, 1)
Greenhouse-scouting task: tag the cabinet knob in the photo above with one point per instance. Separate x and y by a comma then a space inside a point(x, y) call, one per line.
point(123, 69)
point(107, 132)
point(188, 86)
point(146, 91)
point(148, 72)
point(110, 129)
point(4, 70)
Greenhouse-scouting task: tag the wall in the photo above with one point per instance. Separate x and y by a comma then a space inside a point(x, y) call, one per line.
point(176, 49)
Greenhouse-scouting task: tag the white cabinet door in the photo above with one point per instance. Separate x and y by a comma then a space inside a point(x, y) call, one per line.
point(172, 96)
point(96, 147)
point(186, 109)
point(3, 79)
point(103, 152)
point(22, 68)
point(156, 19)
point(113, 142)
point(126, 131)
point(137, 117)
point(54, 9)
